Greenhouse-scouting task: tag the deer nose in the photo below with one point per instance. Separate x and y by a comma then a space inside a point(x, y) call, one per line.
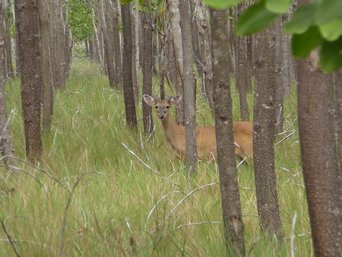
point(162, 116)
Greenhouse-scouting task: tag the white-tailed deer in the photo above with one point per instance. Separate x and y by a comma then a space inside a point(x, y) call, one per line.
point(205, 136)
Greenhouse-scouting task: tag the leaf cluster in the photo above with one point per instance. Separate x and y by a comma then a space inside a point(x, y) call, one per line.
point(314, 25)
point(80, 20)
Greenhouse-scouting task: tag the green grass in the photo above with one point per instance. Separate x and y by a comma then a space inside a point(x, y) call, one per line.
point(131, 196)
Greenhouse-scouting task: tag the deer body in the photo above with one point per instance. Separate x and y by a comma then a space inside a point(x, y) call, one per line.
point(205, 136)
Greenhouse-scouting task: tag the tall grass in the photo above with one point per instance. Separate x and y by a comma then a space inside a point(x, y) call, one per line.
point(103, 190)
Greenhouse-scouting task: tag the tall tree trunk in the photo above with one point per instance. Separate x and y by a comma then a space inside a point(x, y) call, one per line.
point(29, 54)
point(147, 66)
point(338, 126)
point(117, 44)
point(195, 37)
point(230, 196)
point(318, 149)
point(242, 74)
point(188, 87)
point(205, 49)
point(9, 63)
point(45, 53)
point(6, 146)
point(130, 110)
point(60, 43)
point(264, 132)
point(135, 54)
point(173, 8)
point(107, 31)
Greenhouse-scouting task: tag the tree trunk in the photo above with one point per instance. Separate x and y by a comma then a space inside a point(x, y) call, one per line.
point(135, 54)
point(338, 126)
point(147, 67)
point(188, 87)
point(60, 43)
point(45, 53)
point(9, 63)
point(230, 196)
point(173, 8)
point(264, 132)
point(107, 31)
point(205, 49)
point(117, 45)
point(242, 74)
point(29, 55)
point(195, 37)
point(5, 137)
point(318, 148)
point(131, 117)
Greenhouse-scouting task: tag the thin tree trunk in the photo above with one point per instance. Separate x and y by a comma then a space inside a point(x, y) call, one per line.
point(230, 196)
point(242, 78)
point(264, 132)
point(173, 8)
point(47, 79)
point(338, 126)
point(205, 48)
point(147, 66)
point(195, 37)
point(188, 87)
point(60, 43)
point(316, 130)
point(9, 63)
point(134, 55)
point(130, 110)
point(6, 145)
point(29, 54)
point(106, 28)
point(117, 44)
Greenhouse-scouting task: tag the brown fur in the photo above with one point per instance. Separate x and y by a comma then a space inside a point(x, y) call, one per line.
point(205, 136)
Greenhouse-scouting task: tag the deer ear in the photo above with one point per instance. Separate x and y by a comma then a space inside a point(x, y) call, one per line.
point(149, 100)
point(175, 99)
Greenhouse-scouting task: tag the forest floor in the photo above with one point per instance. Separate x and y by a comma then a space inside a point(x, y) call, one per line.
point(103, 190)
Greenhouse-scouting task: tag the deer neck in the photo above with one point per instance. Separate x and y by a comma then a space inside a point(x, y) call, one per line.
point(171, 128)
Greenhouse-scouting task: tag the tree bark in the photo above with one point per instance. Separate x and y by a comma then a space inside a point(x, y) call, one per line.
point(29, 54)
point(117, 44)
point(147, 67)
point(45, 52)
point(264, 132)
point(6, 145)
point(107, 31)
point(242, 74)
point(130, 110)
point(230, 196)
point(9, 63)
point(188, 87)
point(205, 49)
point(173, 8)
point(316, 130)
point(338, 127)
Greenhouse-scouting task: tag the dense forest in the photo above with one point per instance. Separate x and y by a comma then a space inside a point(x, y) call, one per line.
point(171, 128)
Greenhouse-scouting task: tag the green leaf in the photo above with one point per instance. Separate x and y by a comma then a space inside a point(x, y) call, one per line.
point(328, 10)
point(278, 6)
point(302, 19)
point(302, 44)
point(254, 19)
point(221, 4)
point(331, 55)
point(331, 30)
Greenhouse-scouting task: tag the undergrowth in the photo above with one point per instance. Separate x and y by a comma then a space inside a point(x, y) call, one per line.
point(104, 190)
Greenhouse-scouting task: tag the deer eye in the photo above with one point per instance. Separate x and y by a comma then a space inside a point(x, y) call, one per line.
point(156, 106)
point(167, 107)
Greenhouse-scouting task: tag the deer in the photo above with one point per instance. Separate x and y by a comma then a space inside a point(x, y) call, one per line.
point(205, 136)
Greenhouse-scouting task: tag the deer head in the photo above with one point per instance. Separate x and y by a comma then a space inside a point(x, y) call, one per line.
point(162, 105)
